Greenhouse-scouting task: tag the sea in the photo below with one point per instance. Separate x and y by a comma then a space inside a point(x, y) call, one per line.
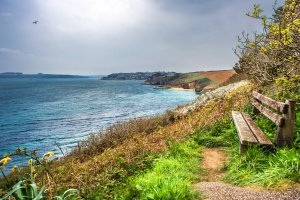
point(44, 113)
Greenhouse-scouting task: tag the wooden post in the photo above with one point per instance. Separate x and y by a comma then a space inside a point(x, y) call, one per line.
point(288, 129)
point(279, 141)
point(285, 134)
point(243, 148)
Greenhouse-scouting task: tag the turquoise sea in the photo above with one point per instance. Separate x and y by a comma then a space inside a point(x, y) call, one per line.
point(36, 113)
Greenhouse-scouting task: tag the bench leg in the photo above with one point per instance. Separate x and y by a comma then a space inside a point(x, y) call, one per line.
point(243, 148)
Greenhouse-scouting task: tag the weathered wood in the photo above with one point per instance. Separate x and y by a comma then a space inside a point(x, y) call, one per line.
point(277, 119)
point(278, 140)
point(278, 106)
point(285, 135)
point(260, 136)
point(243, 129)
point(250, 133)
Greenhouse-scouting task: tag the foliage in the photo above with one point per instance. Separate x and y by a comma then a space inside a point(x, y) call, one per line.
point(26, 187)
point(274, 52)
point(288, 88)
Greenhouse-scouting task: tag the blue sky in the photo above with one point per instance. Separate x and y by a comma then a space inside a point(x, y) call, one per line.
point(101, 36)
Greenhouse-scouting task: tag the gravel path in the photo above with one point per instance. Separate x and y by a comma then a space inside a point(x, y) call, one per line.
point(223, 191)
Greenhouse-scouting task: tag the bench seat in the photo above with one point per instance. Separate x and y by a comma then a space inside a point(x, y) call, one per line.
point(249, 133)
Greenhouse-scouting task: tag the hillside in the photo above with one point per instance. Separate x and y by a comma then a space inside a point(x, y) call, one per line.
point(133, 76)
point(193, 80)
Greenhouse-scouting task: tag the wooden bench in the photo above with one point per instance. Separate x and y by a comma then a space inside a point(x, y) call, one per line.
point(282, 114)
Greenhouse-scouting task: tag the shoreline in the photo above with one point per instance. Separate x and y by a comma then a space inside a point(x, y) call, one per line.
point(182, 89)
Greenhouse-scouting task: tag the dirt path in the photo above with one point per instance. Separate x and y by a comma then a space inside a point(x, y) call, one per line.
point(213, 161)
point(213, 189)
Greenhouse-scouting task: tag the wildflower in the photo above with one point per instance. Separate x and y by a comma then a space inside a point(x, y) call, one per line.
point(5, 160)
point(15, 168)
point(49, 154)
point(33, 170)
point(30, 162)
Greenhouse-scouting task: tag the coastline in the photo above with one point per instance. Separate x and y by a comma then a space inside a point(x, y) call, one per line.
point(182, 89)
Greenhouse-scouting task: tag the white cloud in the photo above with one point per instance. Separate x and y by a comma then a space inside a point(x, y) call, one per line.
point(9, 51)
point(100, 16)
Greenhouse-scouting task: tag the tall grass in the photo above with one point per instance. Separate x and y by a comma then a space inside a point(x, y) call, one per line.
point(257, 166)
point(220, 134)
point(171, 176)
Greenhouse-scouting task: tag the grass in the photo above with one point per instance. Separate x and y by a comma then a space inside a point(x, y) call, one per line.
point(171, 176)
point(168, 176)
point(257, 167)
point(267, 169)
point(219, 134)
point(188, 78)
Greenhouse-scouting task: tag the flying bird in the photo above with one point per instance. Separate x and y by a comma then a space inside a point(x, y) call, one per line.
point(35, 22)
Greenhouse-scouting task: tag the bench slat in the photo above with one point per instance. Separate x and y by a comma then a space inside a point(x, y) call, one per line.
point(277, 119)
point(243, 130)
point(260, 136)
point(278, 106)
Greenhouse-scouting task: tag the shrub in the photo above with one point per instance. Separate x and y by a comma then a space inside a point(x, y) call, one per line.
point(273, 52)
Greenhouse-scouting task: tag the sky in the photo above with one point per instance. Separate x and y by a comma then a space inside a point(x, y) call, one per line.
point(92, 37)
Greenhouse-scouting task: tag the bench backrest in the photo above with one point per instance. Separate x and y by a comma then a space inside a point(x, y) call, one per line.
point(282, 114)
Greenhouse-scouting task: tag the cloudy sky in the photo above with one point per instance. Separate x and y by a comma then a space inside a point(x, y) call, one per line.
point(105, 36)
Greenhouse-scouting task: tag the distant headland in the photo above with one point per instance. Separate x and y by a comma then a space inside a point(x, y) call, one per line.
point(133, 76)
point(39, 75)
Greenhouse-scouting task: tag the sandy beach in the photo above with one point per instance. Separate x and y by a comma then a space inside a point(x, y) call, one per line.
point(177, 88)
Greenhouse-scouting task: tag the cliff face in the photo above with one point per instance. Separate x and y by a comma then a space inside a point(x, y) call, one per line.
point(195, 80)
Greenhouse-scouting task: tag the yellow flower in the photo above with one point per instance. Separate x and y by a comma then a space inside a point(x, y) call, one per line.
point(49, 154)
point(32, 169)
point(30, 162)
point(5, 160)
point(15, 168)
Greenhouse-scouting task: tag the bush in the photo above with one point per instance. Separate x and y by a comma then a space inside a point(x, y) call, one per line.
point(273, 53)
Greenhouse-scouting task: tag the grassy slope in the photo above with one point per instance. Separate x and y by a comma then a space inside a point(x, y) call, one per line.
point(188, 78)
point(218, 76)
point(211, 78)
